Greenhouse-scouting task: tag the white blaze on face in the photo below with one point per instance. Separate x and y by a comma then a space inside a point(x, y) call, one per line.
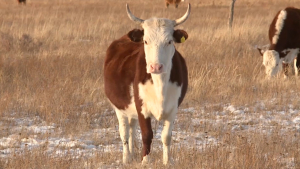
point(279, 25)
point(158, 43)
point(272, 62)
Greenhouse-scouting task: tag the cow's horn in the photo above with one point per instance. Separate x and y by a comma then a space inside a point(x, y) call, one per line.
point(184, 17)
point(132, 17)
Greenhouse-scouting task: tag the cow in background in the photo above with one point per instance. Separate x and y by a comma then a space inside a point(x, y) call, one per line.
point(175, 2)
point(22, 2)
point(284, 36)
point(286, 66)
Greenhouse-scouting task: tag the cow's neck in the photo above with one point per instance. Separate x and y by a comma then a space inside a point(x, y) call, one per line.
point(160, 83)
point(157, 81)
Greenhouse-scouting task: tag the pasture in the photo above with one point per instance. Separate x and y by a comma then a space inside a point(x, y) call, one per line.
point(54, 114)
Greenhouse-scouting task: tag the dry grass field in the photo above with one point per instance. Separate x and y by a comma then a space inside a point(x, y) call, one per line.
point(54, 114)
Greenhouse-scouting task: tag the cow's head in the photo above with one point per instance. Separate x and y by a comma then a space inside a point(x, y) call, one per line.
point(271, 62)
point(158, 35)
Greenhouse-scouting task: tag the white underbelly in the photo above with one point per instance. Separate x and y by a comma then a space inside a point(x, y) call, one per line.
point(129, 111)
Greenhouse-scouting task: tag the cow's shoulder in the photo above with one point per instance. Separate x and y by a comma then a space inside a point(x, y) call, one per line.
point(120, 69)
point(122, 46)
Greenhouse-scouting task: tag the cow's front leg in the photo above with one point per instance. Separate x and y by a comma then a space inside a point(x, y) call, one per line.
point(166, 136)
point(147, 136)
point(124, 134)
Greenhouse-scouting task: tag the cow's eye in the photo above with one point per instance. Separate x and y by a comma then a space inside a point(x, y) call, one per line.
point(146, 42)
point(170, 42)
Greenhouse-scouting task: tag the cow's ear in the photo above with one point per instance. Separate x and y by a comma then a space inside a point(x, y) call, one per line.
point(180, 36)
point(136, 35)
point(261, 51)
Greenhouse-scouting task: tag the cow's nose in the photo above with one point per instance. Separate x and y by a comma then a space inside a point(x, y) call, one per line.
point(156, 68)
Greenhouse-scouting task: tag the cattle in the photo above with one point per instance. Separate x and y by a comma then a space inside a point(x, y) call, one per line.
point(146, 77)
point(284, 36)
point(22, 1)
point(175, 2)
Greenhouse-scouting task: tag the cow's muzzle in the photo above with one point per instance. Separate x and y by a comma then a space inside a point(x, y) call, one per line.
point(155, 68)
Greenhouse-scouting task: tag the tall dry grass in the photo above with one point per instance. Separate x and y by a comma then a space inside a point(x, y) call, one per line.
point(51, 62)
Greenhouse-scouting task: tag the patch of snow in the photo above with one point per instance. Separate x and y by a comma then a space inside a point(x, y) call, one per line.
point(230, 108)
point(189, 110)
point(296, 120)
point(231, 117)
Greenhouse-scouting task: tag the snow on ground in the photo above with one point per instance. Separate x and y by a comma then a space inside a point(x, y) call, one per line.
point(240, 118)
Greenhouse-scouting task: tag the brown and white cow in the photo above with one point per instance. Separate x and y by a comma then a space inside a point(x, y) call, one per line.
point(175, 2)
point(284, 36)
point(144, 77)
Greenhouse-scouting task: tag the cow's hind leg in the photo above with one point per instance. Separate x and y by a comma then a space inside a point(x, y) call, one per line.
point(132, 131)
point(167, 4)
point(147, 136)
point(166, 136)
point(124, 134)
point(285, 67)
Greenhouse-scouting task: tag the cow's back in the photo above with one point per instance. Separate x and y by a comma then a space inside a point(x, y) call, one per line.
point(119, 70)
point(173, 1)
point(289, 35)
